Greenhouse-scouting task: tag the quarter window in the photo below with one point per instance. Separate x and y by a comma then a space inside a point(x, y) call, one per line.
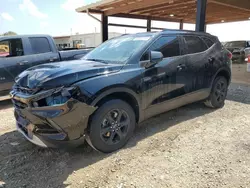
point(194, 45)
point(40, 45)
point(208, 41)
point(168, 46)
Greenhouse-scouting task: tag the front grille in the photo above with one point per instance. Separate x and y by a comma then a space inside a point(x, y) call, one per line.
point(236, 53)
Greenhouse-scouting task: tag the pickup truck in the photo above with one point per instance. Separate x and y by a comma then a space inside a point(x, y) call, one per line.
point(20, 52)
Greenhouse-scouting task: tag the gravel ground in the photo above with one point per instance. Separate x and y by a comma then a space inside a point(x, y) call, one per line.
point(193, 146)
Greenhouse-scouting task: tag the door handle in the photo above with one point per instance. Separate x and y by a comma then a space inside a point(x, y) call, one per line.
point(211, 59)
point(22, 62)
point(181, 67)
point(52, 59)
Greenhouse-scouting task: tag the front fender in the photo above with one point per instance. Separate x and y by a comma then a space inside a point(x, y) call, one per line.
point(105, 92)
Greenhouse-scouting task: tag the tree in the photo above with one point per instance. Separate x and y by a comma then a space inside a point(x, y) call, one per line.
point(9, 33)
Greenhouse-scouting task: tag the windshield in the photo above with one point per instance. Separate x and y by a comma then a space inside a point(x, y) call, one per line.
point(239, 44)
point(117, 50)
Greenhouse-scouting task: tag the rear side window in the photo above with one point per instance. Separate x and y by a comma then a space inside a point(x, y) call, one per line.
point(40, 45)
point(168, 46)
point(194, 44)
point(208, 41)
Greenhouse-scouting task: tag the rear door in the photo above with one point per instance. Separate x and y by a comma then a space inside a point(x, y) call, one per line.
point(42, 51)
point(200, 61)
point(216, 57)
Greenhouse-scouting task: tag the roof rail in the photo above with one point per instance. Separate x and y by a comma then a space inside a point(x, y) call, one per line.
point(188, 31)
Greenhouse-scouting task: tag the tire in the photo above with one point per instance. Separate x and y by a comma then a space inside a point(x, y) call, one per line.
point(106, 132)
point(218, 94)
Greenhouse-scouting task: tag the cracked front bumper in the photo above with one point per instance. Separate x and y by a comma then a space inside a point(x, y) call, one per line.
point(52, 126)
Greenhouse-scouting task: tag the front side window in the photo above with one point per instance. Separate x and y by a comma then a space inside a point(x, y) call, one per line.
point(40, 45)
point(168, 46)
point(194, 45)
point(11, 48)
point(118, 50)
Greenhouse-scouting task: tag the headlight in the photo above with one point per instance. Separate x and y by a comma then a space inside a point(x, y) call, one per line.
point(58, 97)
point(56, 100)
point(62, 96)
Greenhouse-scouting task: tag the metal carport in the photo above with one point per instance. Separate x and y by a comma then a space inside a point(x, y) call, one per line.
point(201, 12)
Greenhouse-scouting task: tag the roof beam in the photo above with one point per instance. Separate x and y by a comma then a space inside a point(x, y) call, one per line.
point(163, 7)
point(136, 5)
point(229, 5)
point(144, 17)
point(175, 11)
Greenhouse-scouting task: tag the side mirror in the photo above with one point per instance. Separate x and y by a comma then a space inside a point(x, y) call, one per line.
point(154, 58)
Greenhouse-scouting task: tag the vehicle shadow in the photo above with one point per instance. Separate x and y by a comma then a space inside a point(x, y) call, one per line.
point(51, 167)
point(239, 92)
point(5, 104)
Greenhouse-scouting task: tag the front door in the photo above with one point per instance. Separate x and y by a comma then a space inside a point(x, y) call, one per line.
point(166, 80)
point(12, 63)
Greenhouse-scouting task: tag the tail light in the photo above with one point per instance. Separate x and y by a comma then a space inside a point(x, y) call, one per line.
point(230, 55)
point(248, 59)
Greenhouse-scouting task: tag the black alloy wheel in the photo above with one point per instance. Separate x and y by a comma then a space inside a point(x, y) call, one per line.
point(114, 126)
point(220, 90)
point(218, 94)
point(111, 126)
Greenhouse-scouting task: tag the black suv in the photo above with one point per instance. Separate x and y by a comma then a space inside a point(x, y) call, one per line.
point(124, 81)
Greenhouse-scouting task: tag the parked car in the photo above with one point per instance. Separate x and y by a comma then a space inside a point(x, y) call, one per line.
point(18, 53)
point(239, 49)
point(119, 84)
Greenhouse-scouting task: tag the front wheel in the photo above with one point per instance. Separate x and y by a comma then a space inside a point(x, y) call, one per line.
point(111, 126)
point(218, 94)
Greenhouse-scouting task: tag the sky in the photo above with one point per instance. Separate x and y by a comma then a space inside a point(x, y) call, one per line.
point(58, 17)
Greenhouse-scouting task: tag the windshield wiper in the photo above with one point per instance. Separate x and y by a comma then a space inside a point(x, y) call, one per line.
point(98, 60)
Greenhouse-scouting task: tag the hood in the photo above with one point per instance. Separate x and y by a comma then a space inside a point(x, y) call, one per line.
point(63, 74)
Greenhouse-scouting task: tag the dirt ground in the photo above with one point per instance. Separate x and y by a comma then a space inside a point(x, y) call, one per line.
point(193, 146)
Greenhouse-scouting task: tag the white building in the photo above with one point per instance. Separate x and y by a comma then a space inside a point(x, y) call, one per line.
point(86, 40)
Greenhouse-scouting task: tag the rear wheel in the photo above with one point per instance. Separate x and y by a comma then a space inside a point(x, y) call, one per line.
point(218, 94)
point(111, 126)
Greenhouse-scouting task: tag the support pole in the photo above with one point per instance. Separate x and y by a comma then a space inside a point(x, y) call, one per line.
point(181, 24)
point(148, 25)
point(104, 28)
point(201, 15)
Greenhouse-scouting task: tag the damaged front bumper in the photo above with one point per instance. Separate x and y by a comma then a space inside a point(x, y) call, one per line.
point(59, 125)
